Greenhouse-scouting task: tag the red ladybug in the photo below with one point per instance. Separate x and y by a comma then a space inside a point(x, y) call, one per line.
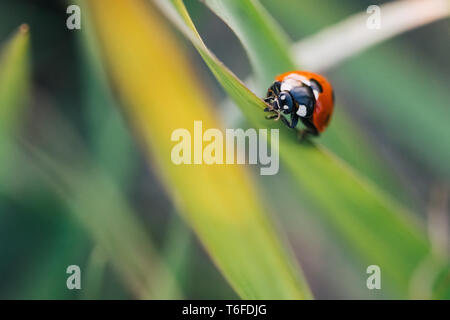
point(304, 95)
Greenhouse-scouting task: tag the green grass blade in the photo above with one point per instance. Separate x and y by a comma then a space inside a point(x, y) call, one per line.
point(418, 121)
point(220, 203)
point(112, 146)
point(111, 142)
point(98, 204)
point(261, 37)
point(379, 230)
point(14, 91)
point(95, 274)
point(14, 78)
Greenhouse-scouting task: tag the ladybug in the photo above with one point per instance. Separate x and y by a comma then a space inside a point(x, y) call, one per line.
point(303, 95)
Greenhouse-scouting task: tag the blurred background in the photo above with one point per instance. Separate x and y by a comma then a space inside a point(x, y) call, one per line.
point(70, 118)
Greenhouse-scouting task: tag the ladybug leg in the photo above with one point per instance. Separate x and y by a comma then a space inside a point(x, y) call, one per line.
point(279, 116)
point(310, 130)
point(286, 121)
point(302, 134)
point(270, 107)
point(275, 116)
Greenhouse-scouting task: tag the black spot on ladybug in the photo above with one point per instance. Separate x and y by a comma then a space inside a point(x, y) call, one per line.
point(315, 85)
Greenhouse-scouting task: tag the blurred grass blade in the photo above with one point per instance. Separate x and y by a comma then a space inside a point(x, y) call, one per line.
point(40, 281)
point(218, 201)
point(424, 131)
point(100, 207)
point(334, 44)
point(113, 147)
point(14, 78)
point(95, 274)
point(111, 140)
point(378, 229)
point(178, 249)
point(14, 91)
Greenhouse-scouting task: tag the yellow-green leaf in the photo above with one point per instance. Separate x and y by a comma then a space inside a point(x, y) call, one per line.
point(14, 72)
point(161, 94)
point(14, 89)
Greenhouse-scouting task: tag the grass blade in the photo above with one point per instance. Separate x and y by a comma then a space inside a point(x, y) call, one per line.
point(14, 76)
point(14, 91)
point(100, 207)
point(151, 73)
point(133, 255)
